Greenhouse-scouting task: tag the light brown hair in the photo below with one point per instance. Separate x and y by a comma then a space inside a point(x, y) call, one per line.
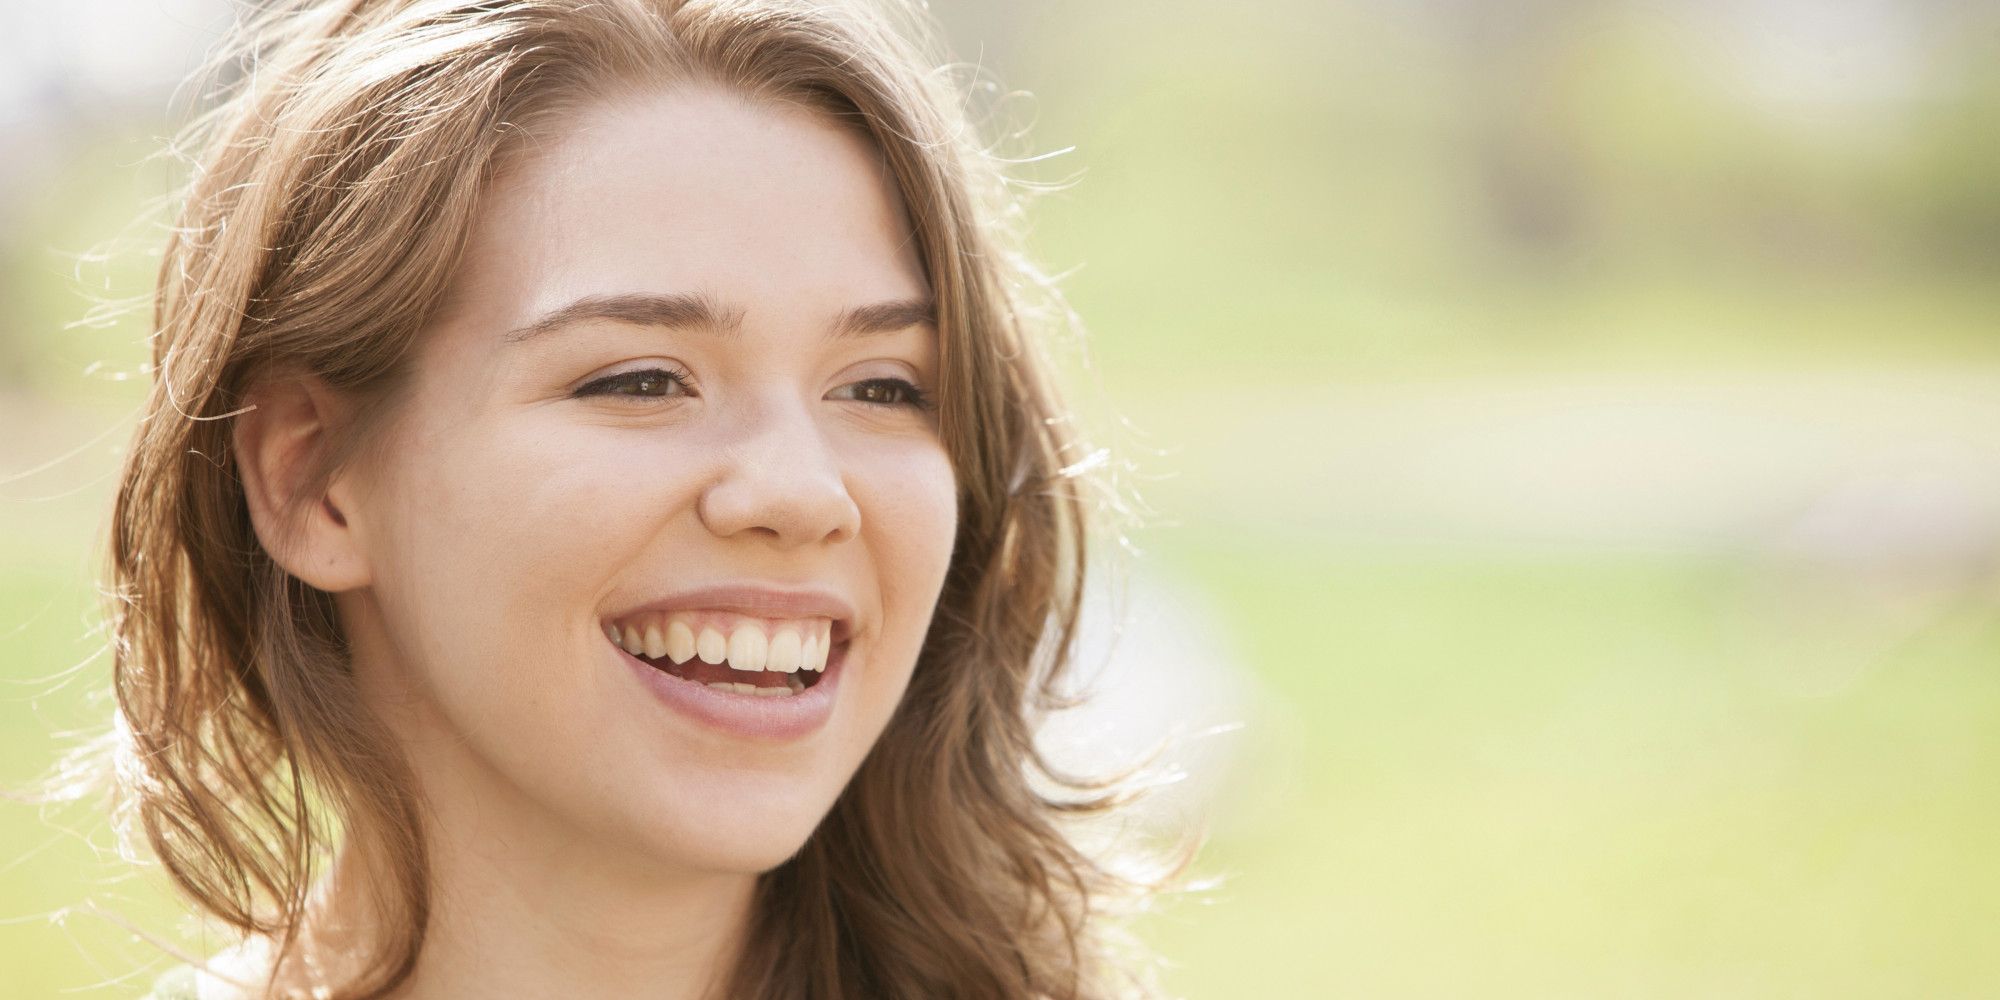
point(337, 178)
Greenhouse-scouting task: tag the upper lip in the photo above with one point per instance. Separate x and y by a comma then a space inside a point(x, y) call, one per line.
point(759, 601)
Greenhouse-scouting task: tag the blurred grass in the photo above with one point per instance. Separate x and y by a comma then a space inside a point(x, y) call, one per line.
point(1569, 776)
point(1479, 768)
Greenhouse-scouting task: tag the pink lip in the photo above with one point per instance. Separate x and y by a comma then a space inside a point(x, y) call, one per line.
point(746, 715)
point(758, 602)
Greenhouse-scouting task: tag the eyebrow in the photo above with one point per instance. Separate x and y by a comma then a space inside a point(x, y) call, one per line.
point(693, 311)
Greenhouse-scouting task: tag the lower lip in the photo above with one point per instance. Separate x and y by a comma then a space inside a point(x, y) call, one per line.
point(749, 716)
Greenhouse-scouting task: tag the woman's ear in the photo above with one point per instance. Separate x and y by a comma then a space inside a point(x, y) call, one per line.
point(280, 442)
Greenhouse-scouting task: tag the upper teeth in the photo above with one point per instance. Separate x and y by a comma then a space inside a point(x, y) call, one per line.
point(784, 645)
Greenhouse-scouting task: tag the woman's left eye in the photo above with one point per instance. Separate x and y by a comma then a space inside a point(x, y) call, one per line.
point(888, 392)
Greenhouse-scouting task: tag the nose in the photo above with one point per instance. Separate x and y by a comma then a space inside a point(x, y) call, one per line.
point(779, 479)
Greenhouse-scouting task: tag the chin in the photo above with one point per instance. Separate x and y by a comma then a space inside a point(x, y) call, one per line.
point(740, 834)
point(741, 852)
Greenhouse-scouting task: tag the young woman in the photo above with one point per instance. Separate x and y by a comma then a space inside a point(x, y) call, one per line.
point(602, 527)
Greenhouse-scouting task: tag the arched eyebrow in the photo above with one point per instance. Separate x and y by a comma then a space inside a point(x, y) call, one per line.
point(693, 311)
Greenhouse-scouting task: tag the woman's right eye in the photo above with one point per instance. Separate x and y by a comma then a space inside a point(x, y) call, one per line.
point(642, 383)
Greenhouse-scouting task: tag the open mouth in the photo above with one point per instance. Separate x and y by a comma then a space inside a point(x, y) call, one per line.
point(771, 658)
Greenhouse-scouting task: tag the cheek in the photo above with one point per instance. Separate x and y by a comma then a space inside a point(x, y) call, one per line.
point(502, 533)
point(913, 508)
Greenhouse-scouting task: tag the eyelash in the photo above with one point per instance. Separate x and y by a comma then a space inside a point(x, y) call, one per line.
point(610, 385)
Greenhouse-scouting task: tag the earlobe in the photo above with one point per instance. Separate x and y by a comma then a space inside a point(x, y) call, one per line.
point(281, 443)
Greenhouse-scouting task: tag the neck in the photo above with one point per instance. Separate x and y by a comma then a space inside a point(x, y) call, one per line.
point(524, 906)
point(561, 924)
point(509, 918)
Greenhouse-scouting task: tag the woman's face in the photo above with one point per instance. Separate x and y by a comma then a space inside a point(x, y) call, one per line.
point(675, 399)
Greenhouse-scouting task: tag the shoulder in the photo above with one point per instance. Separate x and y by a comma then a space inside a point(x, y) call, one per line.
point(177, 983)
point(222, 977)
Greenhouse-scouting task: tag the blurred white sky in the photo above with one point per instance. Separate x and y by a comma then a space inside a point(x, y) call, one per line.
point(1799, 54)
point(58, 56)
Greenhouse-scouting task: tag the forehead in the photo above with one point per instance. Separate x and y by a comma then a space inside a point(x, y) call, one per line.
point(694, 189)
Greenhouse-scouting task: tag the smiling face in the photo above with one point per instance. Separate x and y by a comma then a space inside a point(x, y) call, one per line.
point(679, 386)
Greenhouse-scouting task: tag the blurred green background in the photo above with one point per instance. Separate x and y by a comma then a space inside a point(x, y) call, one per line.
point(1571, 435)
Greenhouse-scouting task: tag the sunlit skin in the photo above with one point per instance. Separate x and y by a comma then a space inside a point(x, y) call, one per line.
point(590, 840)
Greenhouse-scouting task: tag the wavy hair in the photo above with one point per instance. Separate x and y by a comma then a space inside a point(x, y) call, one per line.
point(337, 175)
